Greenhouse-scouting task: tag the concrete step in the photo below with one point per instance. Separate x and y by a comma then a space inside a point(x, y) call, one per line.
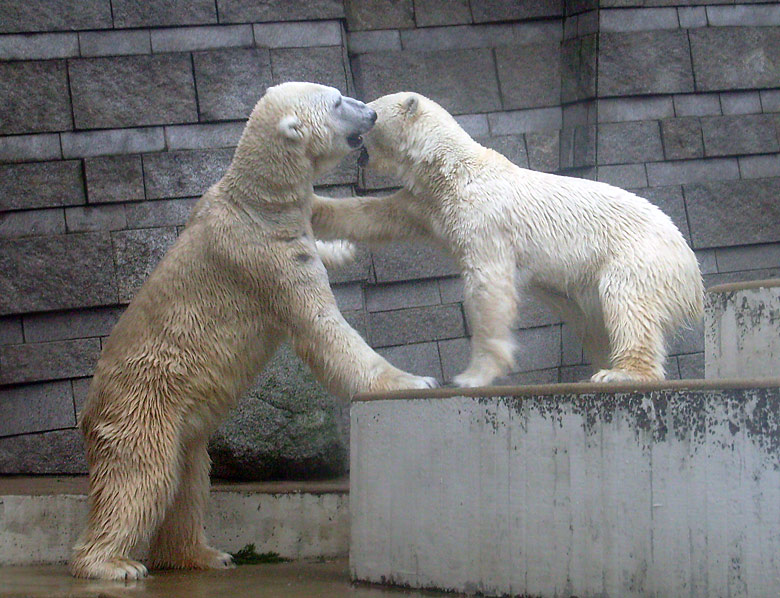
point(41, 517)
point(587, 490)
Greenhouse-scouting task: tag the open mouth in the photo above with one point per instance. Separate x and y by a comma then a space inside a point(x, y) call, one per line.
point(355, 141)
point(363, 157)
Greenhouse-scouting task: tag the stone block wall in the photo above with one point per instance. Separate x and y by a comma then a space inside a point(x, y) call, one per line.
point(116, 114)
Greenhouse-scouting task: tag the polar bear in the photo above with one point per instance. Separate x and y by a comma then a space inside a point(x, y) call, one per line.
point(614, 265)
point(243, 275)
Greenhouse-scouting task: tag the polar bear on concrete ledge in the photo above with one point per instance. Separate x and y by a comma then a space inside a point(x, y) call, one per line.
point(613, 265)
point(243, 275)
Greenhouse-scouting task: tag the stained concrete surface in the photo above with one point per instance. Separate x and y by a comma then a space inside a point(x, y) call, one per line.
point(327, 579)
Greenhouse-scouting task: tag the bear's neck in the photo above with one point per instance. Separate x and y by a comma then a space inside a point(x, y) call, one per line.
point(255, 176)
point(442, 168)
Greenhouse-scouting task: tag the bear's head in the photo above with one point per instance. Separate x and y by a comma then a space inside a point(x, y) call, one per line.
point(298, 131)
point(410, 130)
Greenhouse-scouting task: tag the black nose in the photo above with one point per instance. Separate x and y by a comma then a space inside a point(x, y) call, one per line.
point(372, 116)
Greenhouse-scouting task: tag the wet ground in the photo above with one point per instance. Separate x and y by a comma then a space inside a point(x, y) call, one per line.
point(327, 579)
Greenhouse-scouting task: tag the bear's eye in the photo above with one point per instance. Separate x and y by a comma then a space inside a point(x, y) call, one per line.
point(338, 102)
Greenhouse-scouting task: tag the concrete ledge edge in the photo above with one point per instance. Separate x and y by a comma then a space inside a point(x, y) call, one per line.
point(579, 388)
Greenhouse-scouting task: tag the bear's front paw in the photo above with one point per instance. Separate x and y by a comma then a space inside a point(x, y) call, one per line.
point(117, 568)
point(471, 380)
point(613, 376)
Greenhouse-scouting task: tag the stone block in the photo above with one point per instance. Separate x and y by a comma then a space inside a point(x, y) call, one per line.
point(261, 11)
point(627, 176)
point(691, 171)
point(733, 16)
point(411, 261)
point(415, 325)
point(629, 142)
point(31, 223)
point(43, 15)
point(525, 378)
point(734, 212)
point(11, 330)
point(529, 76)
point(187, 39)
point(576, 373)
point(454, 357)
point(421, 359)
point(87, 144)
point(81, 219)
point(59, 452)
point(48, 109)
point(770, 100)
point(204, 136)
point(65, 325)
point(36, 408)
point(726, 57)
point(345, 173)
point(382, 40)
point(752, 257)
point(286, 427)
point(161, 13)
point(56, 272)
point(682, 138)
point(387, 297)
point(697, 104)
point(510, 10)
point(459, 37)
point(537, 348)
point(578, 68)
point(379, 14)
point(707, 261)
point(40, 185)
point(451, 289)
point(627, 109)
point(644, 62)
point(524, 121)
point(533, 312)
point(740, 102)
point(578, 146)
point(691, 366)
point(136, 254)
point(588, 23)
point(115, 43)
point(670, 201)
point(571, 346)
point(163, 212)
point(739, 134)
point(349, 297)
point(32, 148)
point(114, 178)
point(358, 319)
point(638, 19)
point(318, 65)
point(128, 91)
point(431, 13)
point(185, 173)
point(444, 76)
point(689, 339)
point(511, 146)
point(55, 360)
point(759, 167)
point(80, 391)
point(692, 16)
point(543, 150)
point(230, 82)
point(297, 35)
point(41, 46)
point(475, 125)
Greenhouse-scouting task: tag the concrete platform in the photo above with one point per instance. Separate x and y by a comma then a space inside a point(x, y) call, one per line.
point(571, 490)
point(41, 517)
point(328, 579)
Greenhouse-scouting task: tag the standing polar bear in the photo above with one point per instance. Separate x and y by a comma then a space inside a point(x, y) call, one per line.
point(611, 263)
point(243, 275)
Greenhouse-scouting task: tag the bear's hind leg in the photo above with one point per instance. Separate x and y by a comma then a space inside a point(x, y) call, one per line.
point(129, 493)
point(180, 541)
point(636, 336)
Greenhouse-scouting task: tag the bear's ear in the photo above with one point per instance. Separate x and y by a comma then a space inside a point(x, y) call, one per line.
point(291, 127)
point(410, 105)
